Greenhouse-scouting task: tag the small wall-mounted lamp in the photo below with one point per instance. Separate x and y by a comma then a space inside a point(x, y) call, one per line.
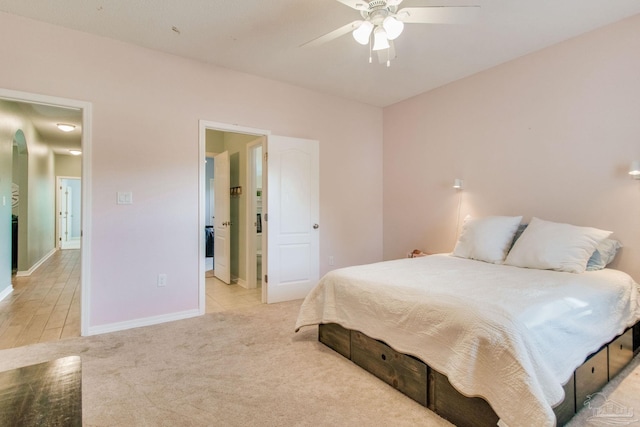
point(635, 169)
point(457, 184)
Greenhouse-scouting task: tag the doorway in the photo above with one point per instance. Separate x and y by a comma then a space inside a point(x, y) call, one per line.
point(290, 196)
point(227, 209)
point(40, 103)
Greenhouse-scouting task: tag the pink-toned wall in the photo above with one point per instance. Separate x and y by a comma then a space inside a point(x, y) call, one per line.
point(551, 134)
point(146, 106)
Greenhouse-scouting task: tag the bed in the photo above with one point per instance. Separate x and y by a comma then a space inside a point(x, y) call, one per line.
point(488, 329)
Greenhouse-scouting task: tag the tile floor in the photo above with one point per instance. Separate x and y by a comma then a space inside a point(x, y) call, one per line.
point(46, 305)
point(221, 297)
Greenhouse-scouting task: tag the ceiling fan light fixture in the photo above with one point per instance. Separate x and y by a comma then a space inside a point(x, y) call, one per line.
point(363, 32)
point(380, 40)
point(393, 27)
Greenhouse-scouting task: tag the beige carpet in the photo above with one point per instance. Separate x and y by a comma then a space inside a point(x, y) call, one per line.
point(241, 368)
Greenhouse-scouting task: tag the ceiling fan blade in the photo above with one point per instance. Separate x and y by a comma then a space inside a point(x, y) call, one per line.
point(438, 14)
point(356, 4)
point(386, 55)
point(333, 34)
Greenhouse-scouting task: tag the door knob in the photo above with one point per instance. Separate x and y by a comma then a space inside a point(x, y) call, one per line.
point(316, 226)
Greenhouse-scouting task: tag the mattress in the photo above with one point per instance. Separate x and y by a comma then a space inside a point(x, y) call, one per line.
point(511, 335)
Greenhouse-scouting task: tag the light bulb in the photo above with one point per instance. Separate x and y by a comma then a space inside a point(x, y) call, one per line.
point(393, 27)
point(362, 33)
point(380, 40)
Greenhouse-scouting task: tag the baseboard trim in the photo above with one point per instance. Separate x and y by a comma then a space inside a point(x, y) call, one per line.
point(6, 292)
point(137, 323)
point(241, 282)
point(36, 265)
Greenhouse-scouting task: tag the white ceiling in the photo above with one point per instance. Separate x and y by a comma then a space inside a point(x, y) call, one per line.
point(263, 37)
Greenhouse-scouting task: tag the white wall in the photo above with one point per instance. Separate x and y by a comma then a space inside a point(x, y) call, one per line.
point(146, 106)
point(67, 165)
point(42, 202)
point(551, 134)
point(37, 197)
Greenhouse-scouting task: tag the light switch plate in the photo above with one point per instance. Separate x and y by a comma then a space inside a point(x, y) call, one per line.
point(125, 198)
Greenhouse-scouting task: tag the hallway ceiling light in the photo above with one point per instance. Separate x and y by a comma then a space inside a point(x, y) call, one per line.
point(75, 152)
point(65, 127)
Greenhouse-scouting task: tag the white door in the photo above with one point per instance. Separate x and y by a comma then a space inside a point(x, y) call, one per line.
point(222, 214)
point(212, 201)
point(69, 213)
point(65, 223)
point(292, 224)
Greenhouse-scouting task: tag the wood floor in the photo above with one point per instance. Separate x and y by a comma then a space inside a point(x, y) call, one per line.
point(45, 306)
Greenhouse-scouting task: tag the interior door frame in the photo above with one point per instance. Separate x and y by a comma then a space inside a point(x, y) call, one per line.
point(223, 127)
point(85, 249)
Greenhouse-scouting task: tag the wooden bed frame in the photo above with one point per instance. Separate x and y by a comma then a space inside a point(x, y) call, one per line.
point(432, 389)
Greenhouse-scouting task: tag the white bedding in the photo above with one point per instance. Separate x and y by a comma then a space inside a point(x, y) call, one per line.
point(511, 335)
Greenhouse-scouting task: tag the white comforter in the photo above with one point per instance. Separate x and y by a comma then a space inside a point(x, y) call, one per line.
point(511, 335)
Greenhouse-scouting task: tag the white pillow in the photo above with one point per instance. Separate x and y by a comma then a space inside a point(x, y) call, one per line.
point(487, 239)
point(549, 245)
point(604, 254)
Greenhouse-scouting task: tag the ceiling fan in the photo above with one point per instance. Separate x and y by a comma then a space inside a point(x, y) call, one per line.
point(382, 22)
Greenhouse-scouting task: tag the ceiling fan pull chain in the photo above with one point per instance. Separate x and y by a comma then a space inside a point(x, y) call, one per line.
point(370, 51)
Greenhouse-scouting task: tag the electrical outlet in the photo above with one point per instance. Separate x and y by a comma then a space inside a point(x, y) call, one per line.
point(331, 260)
point(162, 280)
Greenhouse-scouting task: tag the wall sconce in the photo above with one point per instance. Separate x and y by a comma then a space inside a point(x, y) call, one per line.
point(635, 169)
point(457, 183)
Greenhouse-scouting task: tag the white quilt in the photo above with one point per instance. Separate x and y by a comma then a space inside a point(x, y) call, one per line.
point(511, 335)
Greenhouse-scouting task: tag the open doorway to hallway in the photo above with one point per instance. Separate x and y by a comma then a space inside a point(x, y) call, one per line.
point(40, 286)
